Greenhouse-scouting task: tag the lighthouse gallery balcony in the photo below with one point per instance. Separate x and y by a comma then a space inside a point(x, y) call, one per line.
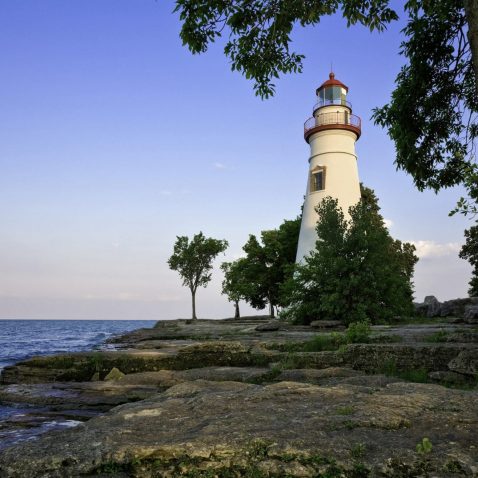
point(333, 120)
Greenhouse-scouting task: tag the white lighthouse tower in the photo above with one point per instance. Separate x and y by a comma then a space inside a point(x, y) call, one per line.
point(331, 133)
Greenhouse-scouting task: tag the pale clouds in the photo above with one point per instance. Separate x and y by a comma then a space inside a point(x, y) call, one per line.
point(430, 249)
point(388, 223)
point(218, 165)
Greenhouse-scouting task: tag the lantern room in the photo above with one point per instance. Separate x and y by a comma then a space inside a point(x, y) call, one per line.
point(332, 92)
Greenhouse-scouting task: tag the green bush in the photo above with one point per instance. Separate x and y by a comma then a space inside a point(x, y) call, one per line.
point(357, 270)
point(358, 332)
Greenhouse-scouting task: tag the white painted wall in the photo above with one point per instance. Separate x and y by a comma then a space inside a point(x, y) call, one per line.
point(333, 150)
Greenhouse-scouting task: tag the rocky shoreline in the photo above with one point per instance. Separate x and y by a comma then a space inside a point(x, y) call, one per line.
point(250, 397)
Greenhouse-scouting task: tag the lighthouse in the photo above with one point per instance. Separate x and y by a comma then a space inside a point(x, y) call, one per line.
point(331, 133)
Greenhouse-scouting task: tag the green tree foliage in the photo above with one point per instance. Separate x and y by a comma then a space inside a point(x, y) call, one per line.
point(192, 259)
point(259, 32)
point(235, 285)
point(469, 251)
point(357, 271)
point(267, 265)
point(431, 116)
point(432, 113)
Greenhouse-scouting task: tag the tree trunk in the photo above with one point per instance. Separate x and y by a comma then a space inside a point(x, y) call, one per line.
point(237, 314)
point(271, 309)
point(193, 295)
point(471, 12)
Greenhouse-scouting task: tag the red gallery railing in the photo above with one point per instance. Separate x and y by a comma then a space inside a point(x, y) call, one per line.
point(340, 119)
point(337, 102)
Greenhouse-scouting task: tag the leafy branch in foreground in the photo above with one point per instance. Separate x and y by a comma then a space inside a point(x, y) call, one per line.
point(432, 113)
point(469, 251)
point(258, 32)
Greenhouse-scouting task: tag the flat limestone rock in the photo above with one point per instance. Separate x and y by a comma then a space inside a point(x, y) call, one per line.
point(327, 324)
point(271, 326)
point(471, 314)
point(85, 395)
point(466, 363)
point(317, 376)
point(284, 429)
point(446, 376)
point(168, 378)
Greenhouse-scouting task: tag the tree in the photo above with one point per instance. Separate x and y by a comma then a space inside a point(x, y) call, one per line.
point(193, 261)
point(431, 117)
point(469, 251)
point(432, 113)
point(234, 285)
point(357, 270)
point(268, 264)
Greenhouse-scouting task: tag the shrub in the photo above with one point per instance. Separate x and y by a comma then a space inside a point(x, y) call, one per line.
point(356, 271)
point(424, 447)
point(358, 332)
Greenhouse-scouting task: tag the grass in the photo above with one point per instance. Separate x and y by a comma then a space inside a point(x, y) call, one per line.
point(347, 410)
point(357, 332)
point(418, 375)
point(438, 337)
point(358, 451)
point(350, 424)
point(324, 342)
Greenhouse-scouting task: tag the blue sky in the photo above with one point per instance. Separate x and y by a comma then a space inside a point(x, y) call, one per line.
point(114, 139)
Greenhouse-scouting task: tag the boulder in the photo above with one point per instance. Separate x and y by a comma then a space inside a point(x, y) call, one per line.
point(466, 362)
point(471, 314)
point(447, 377)
point(271, 326)
point(457, 307)
point(433, 306)
point(114, 374)
point(421, 309)
point(327, 324)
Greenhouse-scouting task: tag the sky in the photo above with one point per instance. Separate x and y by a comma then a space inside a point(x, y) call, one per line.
point(115, 139)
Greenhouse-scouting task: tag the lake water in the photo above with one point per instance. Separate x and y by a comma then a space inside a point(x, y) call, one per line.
point(21, 339)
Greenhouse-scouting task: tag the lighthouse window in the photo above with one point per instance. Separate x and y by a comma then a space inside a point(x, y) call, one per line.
point(318, 180)
point(332, 95)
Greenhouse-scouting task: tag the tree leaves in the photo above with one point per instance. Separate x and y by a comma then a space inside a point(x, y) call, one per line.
point(469, 251)
point(259, 32)
point(193, 260)
point(357, 271)
point(432, 114)
point(258, 277)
